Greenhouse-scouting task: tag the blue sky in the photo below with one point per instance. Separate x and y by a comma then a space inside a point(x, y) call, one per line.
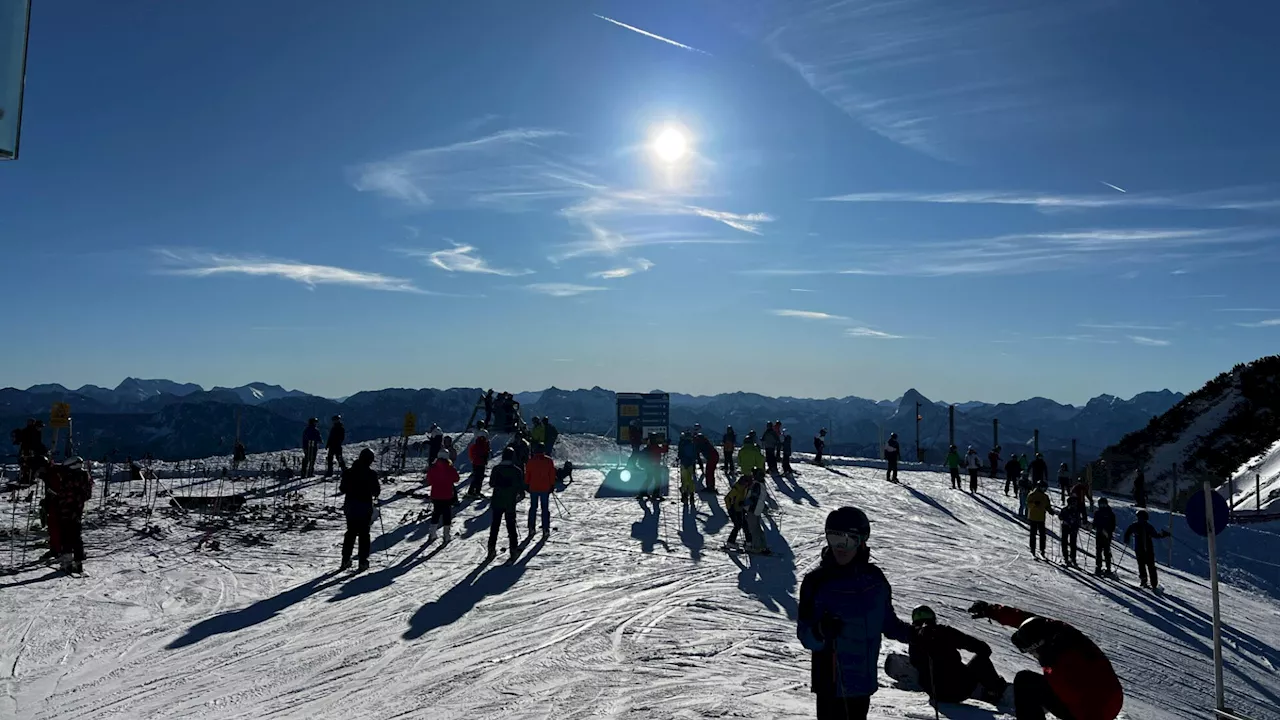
point(984, 200)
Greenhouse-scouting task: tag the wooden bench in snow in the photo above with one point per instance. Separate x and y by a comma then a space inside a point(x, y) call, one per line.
point(209, 503)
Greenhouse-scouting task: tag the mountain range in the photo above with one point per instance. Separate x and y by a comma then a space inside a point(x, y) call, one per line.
point(172, 420)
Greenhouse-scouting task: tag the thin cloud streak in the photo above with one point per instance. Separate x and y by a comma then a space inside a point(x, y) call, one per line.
point(209, 265)
point(808, 315)
point(1274, 322)
point(866, 332)
point(562, 289)
point(1125, 326)
point(1247, 309)
point(1151, 342)
point(1078, 339)
point(1211, 200)
point(638, 265)
point(460, 258)
point(648, 34)
point(1117, 188)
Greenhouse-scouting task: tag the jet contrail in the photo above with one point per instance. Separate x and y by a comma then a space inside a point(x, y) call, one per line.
point(1114, 187)
point(646, 33)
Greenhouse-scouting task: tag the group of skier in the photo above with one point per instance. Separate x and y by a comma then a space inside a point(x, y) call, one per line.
point(846, 606)
point(67, 487)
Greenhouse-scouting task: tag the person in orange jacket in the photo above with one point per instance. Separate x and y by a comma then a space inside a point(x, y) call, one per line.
point(443, 479)
point(478, 453)
point(540, 478)
point(1078, 680)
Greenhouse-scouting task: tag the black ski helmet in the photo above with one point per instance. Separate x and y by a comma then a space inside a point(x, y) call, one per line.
point(923, 615)
point(1032, 635)
point(1103, 502)
point(508, 453)
point(848, 519)
point(1142, 515)
point(367, 456)
point(336, 418)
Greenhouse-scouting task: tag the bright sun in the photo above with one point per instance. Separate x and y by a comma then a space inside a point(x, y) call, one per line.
point(670, 145)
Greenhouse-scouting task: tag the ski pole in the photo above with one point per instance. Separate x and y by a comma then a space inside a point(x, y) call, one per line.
point(383, 530)
point(560, 504)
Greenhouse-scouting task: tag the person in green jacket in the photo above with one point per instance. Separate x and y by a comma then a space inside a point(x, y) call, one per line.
point(953, 464)
point(539, 431)
point(750, 457)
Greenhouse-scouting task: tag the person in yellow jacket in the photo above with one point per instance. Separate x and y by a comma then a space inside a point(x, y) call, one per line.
point(1038, 508)
point(539, 432)
point(750, 457)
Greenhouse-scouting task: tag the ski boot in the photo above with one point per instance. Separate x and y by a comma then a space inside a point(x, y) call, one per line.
point(346, 564)
point(362, 566)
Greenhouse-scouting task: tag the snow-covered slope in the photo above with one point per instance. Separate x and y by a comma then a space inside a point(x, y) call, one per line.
point(1256, 485)
point(624, 611)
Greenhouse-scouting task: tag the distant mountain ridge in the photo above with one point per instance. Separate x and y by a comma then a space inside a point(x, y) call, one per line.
point(1210, 433)
point(178, 420)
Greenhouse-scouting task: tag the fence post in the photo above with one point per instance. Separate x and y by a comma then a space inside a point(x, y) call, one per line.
point(1257, 491)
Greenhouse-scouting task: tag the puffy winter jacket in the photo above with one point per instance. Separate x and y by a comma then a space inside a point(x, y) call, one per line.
point(552, 433)
point(892, 450)
point(540, 473)
point(819, 444)
point(1071, 516)
point(311, 436)
point(360, 486)
point(1078, 672)
point(539, 433)
point(737, 495)
point(953, 460)
point(770, 439)
point(1013, 468)
point(859, 598)
point(972, 461)
point(755, 501)
point(707, 449)
point(507, 482)
point(687, 452)
point(1144, 535)
point(71, 488)
point(786, 444)
point(478, 453)
point(442, 477)
point(337, 436)
point(1037, 505)
point(1104, 520)
point(935, 651)
point(1039, 470)
point(731, 439)
point(750, 458)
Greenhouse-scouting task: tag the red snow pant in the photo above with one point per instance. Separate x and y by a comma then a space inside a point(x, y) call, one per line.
point(710, 478)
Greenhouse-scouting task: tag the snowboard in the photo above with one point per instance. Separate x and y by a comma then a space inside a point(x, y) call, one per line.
point(898, 667)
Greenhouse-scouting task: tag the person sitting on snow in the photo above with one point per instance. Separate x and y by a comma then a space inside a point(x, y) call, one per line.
point(943, 675)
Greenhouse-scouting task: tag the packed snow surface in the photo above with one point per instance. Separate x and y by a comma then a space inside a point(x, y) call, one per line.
point(624, 611)
point(1256, 485)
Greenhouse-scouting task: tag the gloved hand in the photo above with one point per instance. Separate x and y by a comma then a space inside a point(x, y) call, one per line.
point(980, 610)
point(829, 627)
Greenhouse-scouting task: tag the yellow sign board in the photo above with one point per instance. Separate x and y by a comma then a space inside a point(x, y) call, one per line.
point(629, 410)
point(60, 415)
point(410, 424)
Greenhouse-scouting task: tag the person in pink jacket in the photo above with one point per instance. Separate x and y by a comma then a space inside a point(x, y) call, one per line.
point(443, 479)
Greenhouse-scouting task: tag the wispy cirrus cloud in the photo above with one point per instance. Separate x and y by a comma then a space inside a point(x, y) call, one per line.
point(1227, 199)
point(1247, 309)
point(1126, 326)
point(460, 258)
point(866, 332)
point(1149, 341)
point(193, 264)
point(1085, 338)
point(638, 265)
point(1117, 188)
point(648, 34)
point(562, 289)
point(808, 315)
point(1273, 322)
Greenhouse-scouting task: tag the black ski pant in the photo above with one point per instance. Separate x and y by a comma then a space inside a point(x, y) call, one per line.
point(441, 512)
point(817, 457)
point(973, 480)
point(335, 453)
point(1032, 697)
point(955, 478)
point(739, 523)
point(891, 469)
point(497, 517)
point(958, 684)
point(831, 707)
point(71, 536)
point(1103, 550)
point(771, 459)
point(477, 479)
point(786, 462)
point(359, 518)
point(1009, 482)
point(309, 460)
point(994, 469)
point(1147, 569)
point(543, 499)
point(1038, 528)
point(727, 459)
point(1070, 536)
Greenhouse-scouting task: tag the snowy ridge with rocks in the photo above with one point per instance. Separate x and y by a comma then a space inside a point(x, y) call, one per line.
point(623, 611)
point(1256, 485)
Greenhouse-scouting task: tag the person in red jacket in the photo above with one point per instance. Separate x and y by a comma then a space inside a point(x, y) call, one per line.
point(1078, 681)
point(478, 453)
point(443, 479)
point(707, 450)
point(654, 467)
point(540, 479)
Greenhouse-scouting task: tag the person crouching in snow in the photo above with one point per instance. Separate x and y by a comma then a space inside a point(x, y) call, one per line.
point(846, 605)
point(1078, 680)
point(443, 479)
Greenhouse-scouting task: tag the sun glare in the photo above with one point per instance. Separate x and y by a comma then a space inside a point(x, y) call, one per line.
point(670, 145)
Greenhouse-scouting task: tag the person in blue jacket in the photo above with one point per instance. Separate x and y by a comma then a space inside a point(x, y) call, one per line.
point(846, 605)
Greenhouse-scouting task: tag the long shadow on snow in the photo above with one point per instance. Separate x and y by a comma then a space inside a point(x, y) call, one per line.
point(1197, 634)
point(370, 581)
point(797, 494)
point(646, 528)
point(771, 579)
point(689, 533)
point(717, 518)
point(928, 500)
point(54, 575)
point(459, 599)
point(481, 519)
point(260, 611)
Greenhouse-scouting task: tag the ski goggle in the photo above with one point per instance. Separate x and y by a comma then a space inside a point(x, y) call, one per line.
point(842, 540)
point(925, 617)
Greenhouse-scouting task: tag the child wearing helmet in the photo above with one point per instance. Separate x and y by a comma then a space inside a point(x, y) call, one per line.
point(943, 675)
point(846, 605)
